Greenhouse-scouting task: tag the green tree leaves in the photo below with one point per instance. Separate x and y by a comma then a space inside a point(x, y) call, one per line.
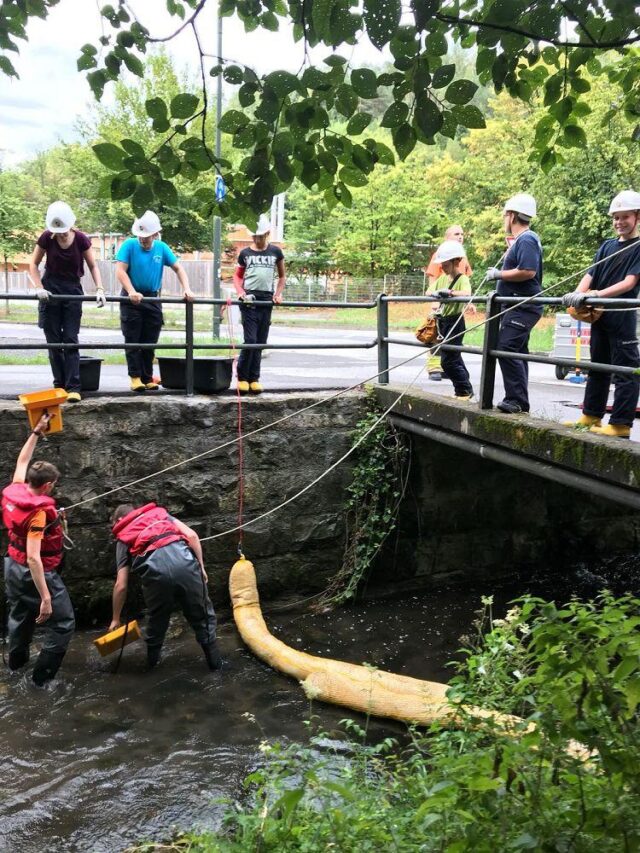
point(424, 95)
point(382, 18)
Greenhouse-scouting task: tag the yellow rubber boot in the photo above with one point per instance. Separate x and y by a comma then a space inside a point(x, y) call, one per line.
point(243, 387)
point(613, 430)
point(152, 386)
point(584, 421)
point(137, 384)
point(256, 388)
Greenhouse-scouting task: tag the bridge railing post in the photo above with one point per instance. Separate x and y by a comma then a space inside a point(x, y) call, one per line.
point(188, 307)
point(382, 309)
point(488, 374)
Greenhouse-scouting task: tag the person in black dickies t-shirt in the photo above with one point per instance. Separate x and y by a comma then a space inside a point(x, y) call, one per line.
point(259, 280)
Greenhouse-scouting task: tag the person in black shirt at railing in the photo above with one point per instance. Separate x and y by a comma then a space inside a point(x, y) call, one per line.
point(614, 338)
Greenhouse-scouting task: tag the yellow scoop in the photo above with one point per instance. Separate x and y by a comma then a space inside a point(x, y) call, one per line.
point(113, 641)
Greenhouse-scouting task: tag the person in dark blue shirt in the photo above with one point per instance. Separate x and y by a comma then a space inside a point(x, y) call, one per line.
point(140, 264)
point(521, 275)
point(614, 340)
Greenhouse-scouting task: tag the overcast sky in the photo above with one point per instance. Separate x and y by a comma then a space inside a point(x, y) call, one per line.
point(41, 107)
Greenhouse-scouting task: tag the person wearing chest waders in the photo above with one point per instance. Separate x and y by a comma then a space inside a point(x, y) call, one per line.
point(35, 591)
point(167, 556)
point(258, 267)
point(614, 337)
point(140, 263)
point(66, 250)
point(521, 275)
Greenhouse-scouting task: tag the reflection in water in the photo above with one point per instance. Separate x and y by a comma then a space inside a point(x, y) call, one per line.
point(97, 761)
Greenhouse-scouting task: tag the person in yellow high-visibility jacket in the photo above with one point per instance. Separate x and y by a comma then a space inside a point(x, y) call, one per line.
point(434, 271)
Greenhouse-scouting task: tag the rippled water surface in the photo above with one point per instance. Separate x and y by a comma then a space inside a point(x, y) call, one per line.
point(99, 760)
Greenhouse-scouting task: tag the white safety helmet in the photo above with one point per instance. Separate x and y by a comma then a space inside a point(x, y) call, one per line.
point(263, 226)
point(624, 202)
point(147, 225)
point(60, 217)
point(522, 203)
point(449, 250)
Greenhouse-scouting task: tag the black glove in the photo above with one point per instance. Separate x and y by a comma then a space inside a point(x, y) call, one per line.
point(574, 300)
point(443, 294)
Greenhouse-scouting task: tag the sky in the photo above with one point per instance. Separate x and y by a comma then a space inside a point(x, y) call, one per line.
point(41, 108)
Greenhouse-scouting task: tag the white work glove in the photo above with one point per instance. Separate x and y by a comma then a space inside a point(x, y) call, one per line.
point(42, 294)
point(101, 299)
point(493, 274)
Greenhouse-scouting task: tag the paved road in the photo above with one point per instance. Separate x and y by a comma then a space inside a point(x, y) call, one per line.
point(309, 369)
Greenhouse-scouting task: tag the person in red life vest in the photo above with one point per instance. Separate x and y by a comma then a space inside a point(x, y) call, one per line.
point(167, 556)
point(35, 591)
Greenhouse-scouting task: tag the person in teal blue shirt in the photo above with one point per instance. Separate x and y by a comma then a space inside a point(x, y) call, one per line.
point(140, 263)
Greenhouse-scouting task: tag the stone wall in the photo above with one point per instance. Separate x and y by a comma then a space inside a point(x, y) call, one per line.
point(113, 441)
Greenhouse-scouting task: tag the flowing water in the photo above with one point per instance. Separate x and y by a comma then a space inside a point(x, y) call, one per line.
point(97, 760)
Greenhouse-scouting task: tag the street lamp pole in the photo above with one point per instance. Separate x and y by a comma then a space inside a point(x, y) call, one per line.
point(217, 222)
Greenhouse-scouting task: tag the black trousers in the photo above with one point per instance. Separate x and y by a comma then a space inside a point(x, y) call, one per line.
point(515, 330)
point(453, 366)
point(172, 580)
point(24, 606)
point(614, 341)
point(255, 325)
point(140, 324)
point(60, 321)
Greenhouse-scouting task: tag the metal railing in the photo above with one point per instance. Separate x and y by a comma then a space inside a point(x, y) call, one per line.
point(496, 306)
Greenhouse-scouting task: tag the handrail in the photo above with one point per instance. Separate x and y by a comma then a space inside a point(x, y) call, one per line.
point(489, 352)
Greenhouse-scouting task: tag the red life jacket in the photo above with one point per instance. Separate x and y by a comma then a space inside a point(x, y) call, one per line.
point(146, 528)
point(18, 506)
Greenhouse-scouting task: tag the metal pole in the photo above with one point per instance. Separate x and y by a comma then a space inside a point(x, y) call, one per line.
point(188, 327)
point(217, 222)
point(488, 374)
point(491, 452)
point(383, 346)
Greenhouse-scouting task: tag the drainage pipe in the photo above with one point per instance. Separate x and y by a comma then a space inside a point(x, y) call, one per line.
point(575, 480)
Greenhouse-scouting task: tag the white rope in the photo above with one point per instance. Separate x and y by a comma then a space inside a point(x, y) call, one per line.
point(339, 392)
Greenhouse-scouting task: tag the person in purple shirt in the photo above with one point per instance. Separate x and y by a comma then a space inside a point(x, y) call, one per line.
point(66, 250)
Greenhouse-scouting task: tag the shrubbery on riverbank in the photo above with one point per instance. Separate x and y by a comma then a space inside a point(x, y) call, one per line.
point(573, 671)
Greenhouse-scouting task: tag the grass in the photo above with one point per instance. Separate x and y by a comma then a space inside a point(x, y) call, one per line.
point(403, 317)
point(113, 356)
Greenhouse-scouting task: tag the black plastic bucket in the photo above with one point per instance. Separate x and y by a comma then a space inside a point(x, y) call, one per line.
point(90, 372)
point(210, 375)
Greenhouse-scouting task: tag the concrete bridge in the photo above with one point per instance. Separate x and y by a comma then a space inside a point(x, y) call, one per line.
point(602, 467)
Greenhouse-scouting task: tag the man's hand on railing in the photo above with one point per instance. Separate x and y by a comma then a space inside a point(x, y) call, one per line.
point(277, 298)
point(574, 300)
point(188, 294)
point(42, 294)
point(101, 299)
point(135, 297)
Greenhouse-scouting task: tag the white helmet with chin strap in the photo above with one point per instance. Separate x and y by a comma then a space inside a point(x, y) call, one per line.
point(625, 202)
point(522, 203)
point(449, 250)
point(60, 217)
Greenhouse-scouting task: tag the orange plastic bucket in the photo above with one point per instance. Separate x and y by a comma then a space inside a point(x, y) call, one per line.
point(39, 403)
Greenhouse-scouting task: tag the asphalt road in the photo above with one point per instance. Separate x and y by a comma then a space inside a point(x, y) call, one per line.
point(308, 369)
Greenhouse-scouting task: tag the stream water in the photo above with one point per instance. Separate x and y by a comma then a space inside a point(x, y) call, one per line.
point(97, 760)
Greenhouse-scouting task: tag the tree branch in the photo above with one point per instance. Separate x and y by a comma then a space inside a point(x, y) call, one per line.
point(503, 28)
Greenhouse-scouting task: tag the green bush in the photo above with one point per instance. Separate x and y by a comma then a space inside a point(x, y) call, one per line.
point(572, 671)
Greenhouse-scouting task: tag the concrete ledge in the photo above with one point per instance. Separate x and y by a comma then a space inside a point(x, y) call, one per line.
point(611, 460)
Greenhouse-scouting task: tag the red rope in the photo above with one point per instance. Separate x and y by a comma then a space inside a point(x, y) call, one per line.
point(240, 436)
